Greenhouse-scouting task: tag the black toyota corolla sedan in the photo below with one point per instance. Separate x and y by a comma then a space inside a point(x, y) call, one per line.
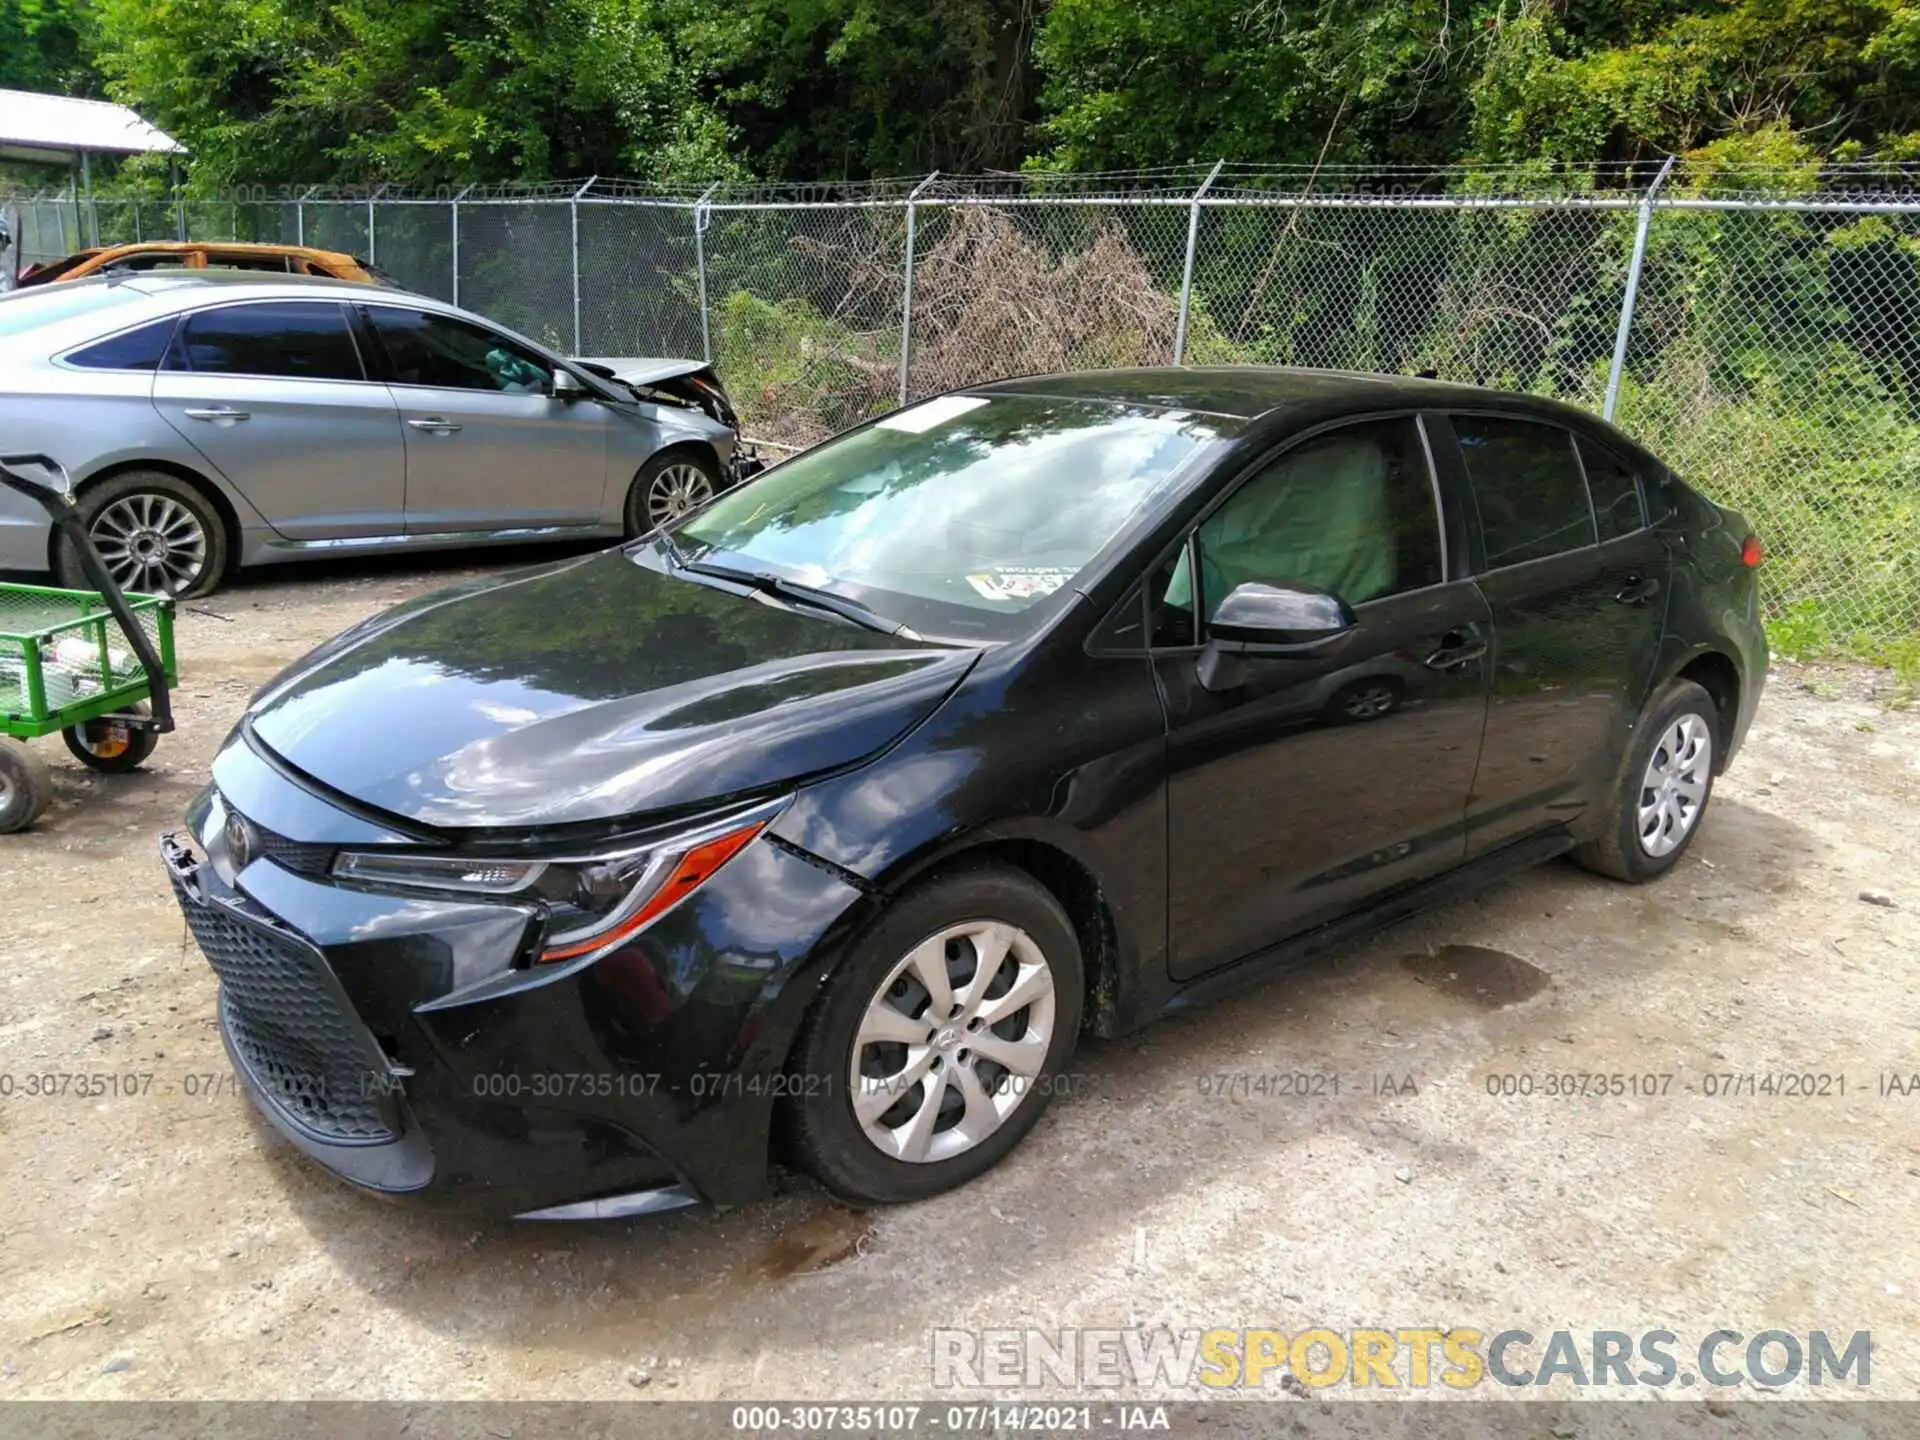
point(824, 821)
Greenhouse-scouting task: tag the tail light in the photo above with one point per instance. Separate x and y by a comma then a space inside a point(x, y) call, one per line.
point(1752, 552)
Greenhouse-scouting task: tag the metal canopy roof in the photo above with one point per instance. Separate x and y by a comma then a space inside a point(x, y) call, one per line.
point(54, 129)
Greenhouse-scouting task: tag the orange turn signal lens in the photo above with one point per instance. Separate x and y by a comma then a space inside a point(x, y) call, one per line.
point(689, 873)
point(1752, 552)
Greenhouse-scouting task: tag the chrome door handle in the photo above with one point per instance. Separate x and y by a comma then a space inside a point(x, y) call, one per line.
point(218, 413)
point(1456, 648)
point(1638, 590)
point(435, 424)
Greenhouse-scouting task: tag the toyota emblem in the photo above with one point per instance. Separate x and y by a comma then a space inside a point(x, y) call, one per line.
point(241, 841)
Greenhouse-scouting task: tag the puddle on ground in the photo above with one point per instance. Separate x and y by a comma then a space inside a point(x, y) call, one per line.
point(822, 1239)
point(1491, 979)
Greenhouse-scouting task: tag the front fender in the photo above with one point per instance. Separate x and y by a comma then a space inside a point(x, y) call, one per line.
point(1067, 754)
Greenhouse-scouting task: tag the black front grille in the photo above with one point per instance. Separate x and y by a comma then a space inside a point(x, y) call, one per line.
point(299, 856)
point(301, 1044)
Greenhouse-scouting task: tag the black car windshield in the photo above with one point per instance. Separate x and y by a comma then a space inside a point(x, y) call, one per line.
point(959, 516)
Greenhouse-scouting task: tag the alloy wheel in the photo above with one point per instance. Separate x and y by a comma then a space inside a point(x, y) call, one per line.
point(952, 1041)
point(676, 490)
point(1371, 702)
point(150, 542)
point(1674, 786)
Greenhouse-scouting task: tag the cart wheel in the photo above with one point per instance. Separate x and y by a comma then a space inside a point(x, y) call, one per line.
point(111, 745)
point(26, 787)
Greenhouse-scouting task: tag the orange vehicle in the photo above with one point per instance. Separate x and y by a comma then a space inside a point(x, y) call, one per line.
point(203, 255)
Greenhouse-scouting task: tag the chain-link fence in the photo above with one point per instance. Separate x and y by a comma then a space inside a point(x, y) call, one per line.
point(1760, 330)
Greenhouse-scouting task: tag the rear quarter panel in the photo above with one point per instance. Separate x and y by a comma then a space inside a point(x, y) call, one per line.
point(1716, 598)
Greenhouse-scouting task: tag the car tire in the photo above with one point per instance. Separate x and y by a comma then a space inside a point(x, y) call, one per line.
point(950, 923)
point(184, 536)
point(109, 746)
point(1661, 797)
point(670, 485)
point(26, 786)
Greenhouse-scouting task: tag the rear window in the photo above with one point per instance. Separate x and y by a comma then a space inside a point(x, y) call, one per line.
point(1616, 491)
point(25, 310)
point(139, 349)
point(290, 340)
point(1528, 486)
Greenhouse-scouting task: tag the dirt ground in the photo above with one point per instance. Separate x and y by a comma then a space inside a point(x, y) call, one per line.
point(165, 1245)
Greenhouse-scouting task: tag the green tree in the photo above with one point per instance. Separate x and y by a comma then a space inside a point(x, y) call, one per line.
point(1135, 85)
point(419, 91)
point(41, 48)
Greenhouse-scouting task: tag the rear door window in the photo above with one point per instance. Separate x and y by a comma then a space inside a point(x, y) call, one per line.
point(1615, 488)
point(286, 339)
point(1528, 487)
point(139, 349)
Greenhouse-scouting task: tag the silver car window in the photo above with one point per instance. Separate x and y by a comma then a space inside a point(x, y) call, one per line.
point(452, 354)
point(277, 339)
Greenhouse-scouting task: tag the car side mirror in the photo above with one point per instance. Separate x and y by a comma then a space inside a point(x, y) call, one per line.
point(1258, 621)
point(566, 386)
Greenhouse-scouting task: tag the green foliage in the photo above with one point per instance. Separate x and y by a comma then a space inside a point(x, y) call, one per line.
point(1131, 84)
point(423, 91)
point(40, 47)
point(429, 91)
point(793, 371)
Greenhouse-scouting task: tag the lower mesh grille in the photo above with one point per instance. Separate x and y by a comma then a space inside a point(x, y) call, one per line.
point(302, 1046)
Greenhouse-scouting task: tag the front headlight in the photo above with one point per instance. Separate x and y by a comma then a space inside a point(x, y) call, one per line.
point(593, 902)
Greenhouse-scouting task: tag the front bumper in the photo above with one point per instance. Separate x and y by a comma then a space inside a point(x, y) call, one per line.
point(403, 1043)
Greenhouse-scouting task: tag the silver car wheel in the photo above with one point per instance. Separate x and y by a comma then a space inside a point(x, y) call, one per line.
point(676, 490)
point(1675, 785)
point(952, 1041)
point(150, 542)
point(1371, 702)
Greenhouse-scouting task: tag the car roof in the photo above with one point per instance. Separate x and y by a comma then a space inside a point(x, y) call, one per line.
point(1281, 394)
point(173, 292)
point(164, 282)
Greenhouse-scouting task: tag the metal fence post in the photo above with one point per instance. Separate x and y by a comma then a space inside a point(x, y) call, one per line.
point(700, 267)
point(300, 214)
point(370, 199)
point(456, 242)
point(573, 208)
point(1186, 273)
point(93, 209)
point(906, 294)
point(1620, 338)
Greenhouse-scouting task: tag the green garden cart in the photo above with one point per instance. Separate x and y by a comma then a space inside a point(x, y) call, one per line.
point(96, 665)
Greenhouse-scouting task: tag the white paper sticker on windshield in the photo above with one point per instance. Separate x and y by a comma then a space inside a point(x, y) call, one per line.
point(1019, 582)
point(918, 419)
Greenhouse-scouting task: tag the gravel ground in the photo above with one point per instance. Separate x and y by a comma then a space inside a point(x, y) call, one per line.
point(165, 1245)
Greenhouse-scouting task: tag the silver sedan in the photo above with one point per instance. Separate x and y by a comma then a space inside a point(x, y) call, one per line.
point(211, 421)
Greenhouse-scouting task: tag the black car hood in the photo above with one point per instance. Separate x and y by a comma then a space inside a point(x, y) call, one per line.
point(591, 690)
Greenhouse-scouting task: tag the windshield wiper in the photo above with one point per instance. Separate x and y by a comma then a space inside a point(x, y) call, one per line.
point(768, 583)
